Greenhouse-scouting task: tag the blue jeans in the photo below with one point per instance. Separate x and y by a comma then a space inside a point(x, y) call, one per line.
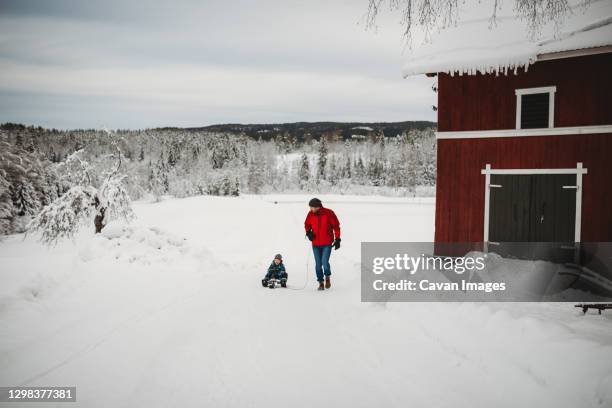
point(321, 255)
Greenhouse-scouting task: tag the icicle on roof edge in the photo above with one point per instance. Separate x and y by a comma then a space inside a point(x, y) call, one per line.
point(474, 47)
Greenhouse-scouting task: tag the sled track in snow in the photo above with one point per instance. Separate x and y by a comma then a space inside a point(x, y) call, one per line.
point(129, 322)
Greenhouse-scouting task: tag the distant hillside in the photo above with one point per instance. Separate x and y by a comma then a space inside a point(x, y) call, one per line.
point(300, 131)
point(314, 130)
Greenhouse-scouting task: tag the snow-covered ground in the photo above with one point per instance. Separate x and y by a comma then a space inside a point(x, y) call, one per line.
point(170, 312)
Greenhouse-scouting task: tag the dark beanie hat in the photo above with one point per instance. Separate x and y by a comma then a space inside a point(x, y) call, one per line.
point(315, 202)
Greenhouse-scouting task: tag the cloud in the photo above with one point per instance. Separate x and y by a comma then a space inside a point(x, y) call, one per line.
point(200, 63)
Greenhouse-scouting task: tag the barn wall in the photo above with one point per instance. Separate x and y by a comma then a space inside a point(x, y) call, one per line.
point(487, 102)
point(460, 186)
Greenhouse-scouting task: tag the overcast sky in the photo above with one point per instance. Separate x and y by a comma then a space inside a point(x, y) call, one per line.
point(136, 64)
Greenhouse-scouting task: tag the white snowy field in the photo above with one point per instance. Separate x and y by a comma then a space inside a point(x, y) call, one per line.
point(170, 312)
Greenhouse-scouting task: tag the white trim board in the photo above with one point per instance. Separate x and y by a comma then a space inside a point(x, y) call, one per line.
point(556, 131)
point(579, 171)
point(574, 53)
point(543, 89)
point(575, 170)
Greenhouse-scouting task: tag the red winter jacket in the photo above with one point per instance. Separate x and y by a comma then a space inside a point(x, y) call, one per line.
point(324, 224)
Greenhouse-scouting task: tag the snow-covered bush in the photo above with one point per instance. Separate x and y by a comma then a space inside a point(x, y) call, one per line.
point(63, 217)
point(83, 202)
point(224, 184)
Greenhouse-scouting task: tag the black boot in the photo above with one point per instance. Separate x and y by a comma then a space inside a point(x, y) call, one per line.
point(264, 283)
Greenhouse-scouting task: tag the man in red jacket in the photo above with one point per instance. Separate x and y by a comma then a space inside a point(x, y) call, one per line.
point(323, 229)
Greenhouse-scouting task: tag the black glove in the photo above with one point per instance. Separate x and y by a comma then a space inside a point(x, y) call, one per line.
point(310, 235)
point(337, 243)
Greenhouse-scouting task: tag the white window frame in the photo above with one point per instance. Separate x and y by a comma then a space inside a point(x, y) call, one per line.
point(550, 90)
point(579, 171)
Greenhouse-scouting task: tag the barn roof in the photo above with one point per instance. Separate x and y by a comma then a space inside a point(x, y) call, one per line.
point(474, 45)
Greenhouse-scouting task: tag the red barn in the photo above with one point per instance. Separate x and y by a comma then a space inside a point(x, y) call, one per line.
point(524, 129)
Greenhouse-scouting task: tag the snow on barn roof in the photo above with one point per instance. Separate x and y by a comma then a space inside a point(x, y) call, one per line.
point(473, 45)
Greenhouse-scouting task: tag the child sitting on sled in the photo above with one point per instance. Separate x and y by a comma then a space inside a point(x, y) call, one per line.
point(276, 272)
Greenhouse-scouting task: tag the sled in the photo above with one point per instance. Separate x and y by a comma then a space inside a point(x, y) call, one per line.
point(598, 306)
point(272, 283)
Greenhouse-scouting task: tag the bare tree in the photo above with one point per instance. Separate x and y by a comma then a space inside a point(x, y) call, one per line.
point(433, 15)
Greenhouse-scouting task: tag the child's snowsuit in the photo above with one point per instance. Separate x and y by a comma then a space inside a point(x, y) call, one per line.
point(276, 271)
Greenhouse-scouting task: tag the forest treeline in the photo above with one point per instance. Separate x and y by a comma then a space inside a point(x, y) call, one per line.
point(35, 164)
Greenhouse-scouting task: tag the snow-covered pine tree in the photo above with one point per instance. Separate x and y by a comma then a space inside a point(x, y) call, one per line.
point(333, 176)
point(24, 185)
point(173, 154)
point(25, 198)
point(304, 171)
point(19, 140)
point(346, 171)
point(322, 162)
point(234, 187)
point(360, 171)
point(219, 151)
point(410, 168)
point(427, 159)
point(6, 207)
point(51, 188)
point(32, 145)
point(375, 172)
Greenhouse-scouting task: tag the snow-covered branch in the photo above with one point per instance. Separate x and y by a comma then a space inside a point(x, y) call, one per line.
point(434, 15)
point(64, 217)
